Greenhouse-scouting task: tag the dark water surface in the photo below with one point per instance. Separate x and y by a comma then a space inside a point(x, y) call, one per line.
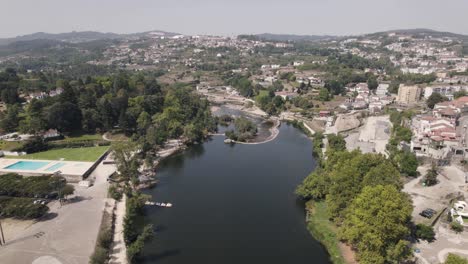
point(234, 204)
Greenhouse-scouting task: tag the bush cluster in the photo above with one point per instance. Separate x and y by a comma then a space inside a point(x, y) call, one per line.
point(78, 144)
point(22, 208)
point(15, 185)
point(104, 240)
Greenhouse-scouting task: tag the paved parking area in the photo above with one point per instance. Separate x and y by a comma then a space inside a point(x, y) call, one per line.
point(437, 197)
point(68, 234)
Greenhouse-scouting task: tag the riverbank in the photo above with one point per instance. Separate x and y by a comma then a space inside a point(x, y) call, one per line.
point(318, 220)
point(324, 231)
point(234, 229)
point(274, 131)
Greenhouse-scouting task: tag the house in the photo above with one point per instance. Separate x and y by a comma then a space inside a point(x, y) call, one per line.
point(56, 92)
point(362, 88)
point(298, 63)
point(408, 94)
point(451, 109)
point(358, 105)
point(286, 95)
point(51, 134)
point(382, 89)
point(375, 107)
point(324, 113)
point(37, 95)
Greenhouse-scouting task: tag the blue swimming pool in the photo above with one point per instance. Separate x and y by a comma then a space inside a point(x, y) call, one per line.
point(55, 166)
point(27, 165)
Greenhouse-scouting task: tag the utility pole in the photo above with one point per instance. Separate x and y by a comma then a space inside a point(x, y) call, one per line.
point(2, 238)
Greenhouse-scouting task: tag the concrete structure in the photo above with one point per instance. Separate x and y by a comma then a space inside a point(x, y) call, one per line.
point(382, 89)
point(72, 171)
point(408, 94)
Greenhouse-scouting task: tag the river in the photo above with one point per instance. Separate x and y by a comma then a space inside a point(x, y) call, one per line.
point(234, 204)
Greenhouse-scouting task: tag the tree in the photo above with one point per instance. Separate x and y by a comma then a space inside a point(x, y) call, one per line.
point(336, 142)
point(67, 190)
point(372, 83)
point(454, 259)
point(376, 224)
point(128, 162)
point(68, 95)
point(9, 83)
point(135, 249)
point(431, 176)
point(459, 94)
point(11, 121)
point(434, 99)
point(408, 163)
point(425, 232)
point(383, 174)
point(457, 227)
point(324, 95)
point(65, 117)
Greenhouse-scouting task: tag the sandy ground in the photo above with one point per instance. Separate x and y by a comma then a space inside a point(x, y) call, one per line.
point(347, 122)
point(348, 254)
point(68, 233)
point(12, 227)
point(234, 102)
point(451, 181)
point(372, 137)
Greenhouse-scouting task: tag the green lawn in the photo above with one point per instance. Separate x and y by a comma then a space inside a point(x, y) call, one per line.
point(69, 154)
point(324, 230)
point(10, 145)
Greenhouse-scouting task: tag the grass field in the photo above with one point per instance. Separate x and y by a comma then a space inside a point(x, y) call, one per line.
point(10, 145)
point(69, 154)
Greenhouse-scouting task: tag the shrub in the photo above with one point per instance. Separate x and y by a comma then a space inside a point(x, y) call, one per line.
point(12, 184)
point(36, 144)
point(425, 232)
point(99, 256)
point(454, 259)
point(114, 193)
point(78, 144)
point(455, 226)
point(134, 249)
point(104, 240)
point(22, 208)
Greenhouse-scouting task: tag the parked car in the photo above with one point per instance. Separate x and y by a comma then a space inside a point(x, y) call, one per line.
point(43, 202)
point(428, 213)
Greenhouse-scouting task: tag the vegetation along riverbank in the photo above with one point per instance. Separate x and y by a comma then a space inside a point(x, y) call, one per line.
point(356, 198)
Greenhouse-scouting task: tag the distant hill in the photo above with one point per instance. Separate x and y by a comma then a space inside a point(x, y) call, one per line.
point(290, 37)
point(79, 37)
point(424, 32)
point(418, 32)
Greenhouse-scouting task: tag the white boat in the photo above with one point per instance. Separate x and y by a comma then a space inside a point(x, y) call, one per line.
point(163, 204)
point(168, 205)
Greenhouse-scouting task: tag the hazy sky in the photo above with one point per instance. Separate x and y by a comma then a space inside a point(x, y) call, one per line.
point(229, 17)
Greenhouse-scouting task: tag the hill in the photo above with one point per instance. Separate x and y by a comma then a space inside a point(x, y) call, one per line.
point(80, 37)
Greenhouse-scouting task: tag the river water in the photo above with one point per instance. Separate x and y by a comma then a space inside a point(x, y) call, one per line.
point(234, 204)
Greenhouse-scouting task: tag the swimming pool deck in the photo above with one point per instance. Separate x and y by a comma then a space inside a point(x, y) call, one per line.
point(71, 169)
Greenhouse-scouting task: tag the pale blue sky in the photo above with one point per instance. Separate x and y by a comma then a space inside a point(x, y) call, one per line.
point(229, 17)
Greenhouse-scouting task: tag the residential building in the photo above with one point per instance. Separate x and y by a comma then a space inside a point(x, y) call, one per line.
point(408, 94)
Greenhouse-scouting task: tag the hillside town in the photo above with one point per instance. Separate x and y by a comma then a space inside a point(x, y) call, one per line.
point(102, 115)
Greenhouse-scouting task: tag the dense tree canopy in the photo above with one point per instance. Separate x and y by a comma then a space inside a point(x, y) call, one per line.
point(434, 99)
point(377, 224)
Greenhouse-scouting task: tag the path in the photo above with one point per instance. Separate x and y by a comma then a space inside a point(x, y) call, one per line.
point(119, 250)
